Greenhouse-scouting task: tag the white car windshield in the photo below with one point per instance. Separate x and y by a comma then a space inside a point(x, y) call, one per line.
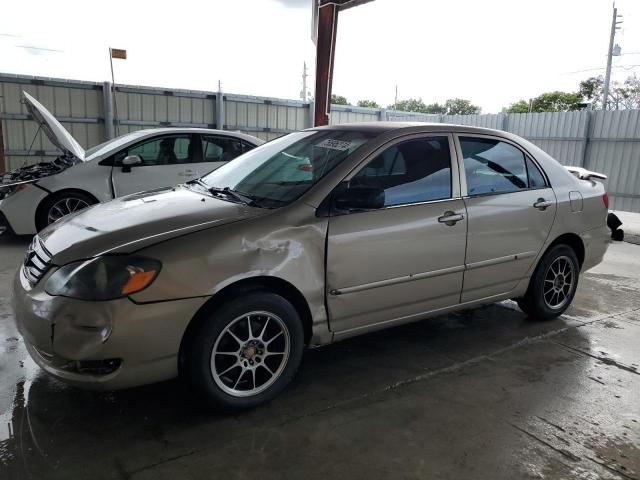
point(280, 171)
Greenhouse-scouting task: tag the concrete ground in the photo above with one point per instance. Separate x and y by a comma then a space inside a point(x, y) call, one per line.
point(483, 394)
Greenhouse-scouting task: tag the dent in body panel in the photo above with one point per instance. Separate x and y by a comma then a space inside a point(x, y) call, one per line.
point(288, 244)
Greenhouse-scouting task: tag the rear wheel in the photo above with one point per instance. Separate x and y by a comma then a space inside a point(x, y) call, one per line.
point(60, 205)
point(247, 351)
point(553, 284)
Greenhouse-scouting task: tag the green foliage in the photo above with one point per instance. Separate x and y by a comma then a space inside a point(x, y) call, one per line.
point(339, 100)
point(453, 106)
point(368, 104)
point(557, 102)
point(519, 107)
point(624, 95)
point(410, 105)
point(436, 108)
point(549, 102)
point(591, 89)
point(460, 106)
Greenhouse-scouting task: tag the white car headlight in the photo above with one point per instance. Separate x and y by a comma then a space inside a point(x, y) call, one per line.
point(8, 190)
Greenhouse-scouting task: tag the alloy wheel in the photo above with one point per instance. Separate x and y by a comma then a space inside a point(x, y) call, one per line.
point(559, 281)
point(250, 354)
point(64, 207)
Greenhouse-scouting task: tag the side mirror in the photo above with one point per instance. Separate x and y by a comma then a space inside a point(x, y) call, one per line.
point(360, 197)
point(130, 161)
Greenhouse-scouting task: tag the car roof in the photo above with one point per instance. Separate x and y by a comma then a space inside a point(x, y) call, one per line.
point(382, 127)
point(230, 133)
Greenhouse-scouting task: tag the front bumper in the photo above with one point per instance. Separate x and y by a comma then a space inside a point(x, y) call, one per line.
point(5, 226)
point(101, 345)
point(19, 209)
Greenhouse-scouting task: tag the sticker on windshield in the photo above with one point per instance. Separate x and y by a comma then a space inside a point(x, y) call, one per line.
point(334, 144)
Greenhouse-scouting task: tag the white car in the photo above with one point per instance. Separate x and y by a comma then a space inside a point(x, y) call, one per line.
point(34, 196)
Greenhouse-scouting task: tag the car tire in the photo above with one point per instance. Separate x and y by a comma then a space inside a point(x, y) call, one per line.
point(553, 284)
point(235, 368)
point(61, 204)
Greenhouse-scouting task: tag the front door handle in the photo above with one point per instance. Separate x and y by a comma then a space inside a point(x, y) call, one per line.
point(542, 204)
point(450, 218)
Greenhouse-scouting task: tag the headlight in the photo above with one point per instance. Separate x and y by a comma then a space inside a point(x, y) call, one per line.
point(103, 278)
point(7, 191)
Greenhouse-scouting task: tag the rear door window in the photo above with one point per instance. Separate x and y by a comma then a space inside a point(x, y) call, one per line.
point(221, 149)
point(493, 166)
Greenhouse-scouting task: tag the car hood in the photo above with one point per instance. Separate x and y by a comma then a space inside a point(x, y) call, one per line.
point(53, 129)
point(133, 222)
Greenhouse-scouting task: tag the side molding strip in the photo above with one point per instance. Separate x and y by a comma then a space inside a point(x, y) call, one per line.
point(393, 281)
point(497, 261)
point(434, 273)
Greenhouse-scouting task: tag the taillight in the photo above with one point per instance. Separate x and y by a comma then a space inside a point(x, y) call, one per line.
point(605, 200)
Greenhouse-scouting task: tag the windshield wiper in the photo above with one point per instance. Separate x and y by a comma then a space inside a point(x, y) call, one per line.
point(241, 197)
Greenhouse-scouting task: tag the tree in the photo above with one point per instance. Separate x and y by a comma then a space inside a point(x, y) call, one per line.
point(436, 108)
point(339, 100)
point(631, 92)
point(624, 95)
point(368, 104)
point(453, 106)
point(556, 102)
point(417, 105)
point(549, 102)
point(592, 90)
point(409, 105)
point(460, 106)
point(519, 107)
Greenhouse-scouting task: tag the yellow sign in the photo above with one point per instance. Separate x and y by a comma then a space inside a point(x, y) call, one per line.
point(118, 53)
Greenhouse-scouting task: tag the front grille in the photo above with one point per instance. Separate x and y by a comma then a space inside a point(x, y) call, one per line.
point(36, 262)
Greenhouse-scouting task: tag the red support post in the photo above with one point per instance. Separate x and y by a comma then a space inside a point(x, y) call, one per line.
point(325, 47)
point(3, 166)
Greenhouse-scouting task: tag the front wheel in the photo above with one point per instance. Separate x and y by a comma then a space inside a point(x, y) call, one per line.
point(60, 205)
point(246, 351)
point(553, 284)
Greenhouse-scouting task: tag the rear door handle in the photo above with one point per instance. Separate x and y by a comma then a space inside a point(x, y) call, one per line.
point(450, 218)
point(542, 204)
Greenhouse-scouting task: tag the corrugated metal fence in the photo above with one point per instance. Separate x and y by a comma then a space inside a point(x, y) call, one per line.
point(608, 142)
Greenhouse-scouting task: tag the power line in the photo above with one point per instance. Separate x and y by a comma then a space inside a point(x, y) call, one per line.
point(626, 67)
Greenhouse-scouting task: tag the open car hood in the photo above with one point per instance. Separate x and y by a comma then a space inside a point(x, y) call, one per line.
point(53, 129)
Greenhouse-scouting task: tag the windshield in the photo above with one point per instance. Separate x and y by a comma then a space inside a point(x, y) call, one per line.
point(280, 171)
point(111, 144)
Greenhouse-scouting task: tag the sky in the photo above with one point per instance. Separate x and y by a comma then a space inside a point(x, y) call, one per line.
point(492, 52)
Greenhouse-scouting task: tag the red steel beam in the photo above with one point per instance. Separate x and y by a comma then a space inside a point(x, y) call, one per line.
point(3, 165)
point(325, 47)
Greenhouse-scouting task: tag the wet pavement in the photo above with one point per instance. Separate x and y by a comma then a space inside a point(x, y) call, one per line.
point(479, 394)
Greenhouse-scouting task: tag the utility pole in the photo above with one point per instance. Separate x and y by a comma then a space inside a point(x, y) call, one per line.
point(395, 99)
point(122, 54)
point(303, 93)
point(220, 115)
point(607, 76)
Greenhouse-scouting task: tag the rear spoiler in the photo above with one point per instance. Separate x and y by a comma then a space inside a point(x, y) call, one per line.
point(584, 174)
